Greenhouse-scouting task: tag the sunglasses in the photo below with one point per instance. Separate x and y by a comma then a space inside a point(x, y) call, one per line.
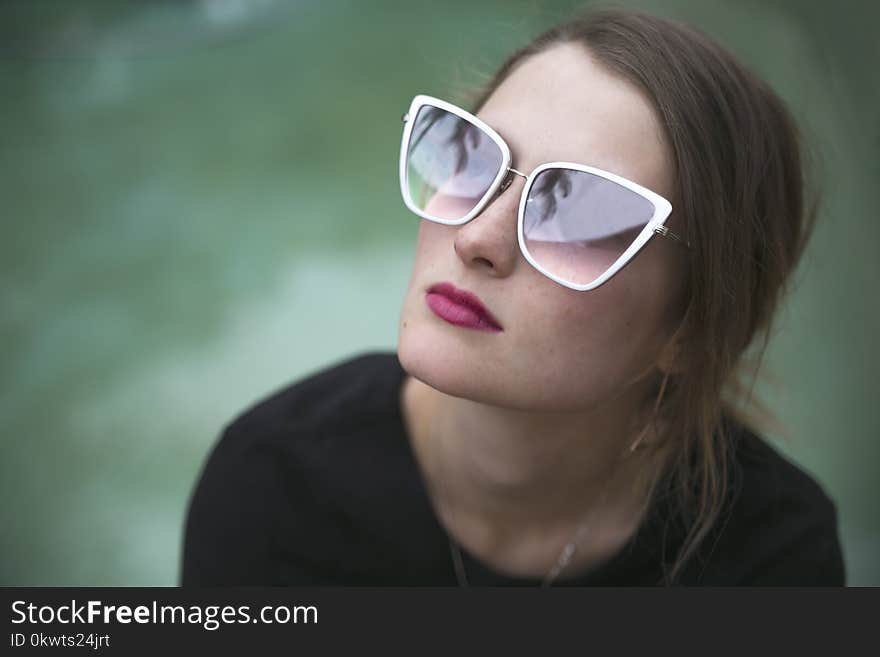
point(577, 225)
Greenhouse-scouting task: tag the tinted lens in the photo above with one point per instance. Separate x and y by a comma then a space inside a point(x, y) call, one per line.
point(576, 224)
point(450, 163)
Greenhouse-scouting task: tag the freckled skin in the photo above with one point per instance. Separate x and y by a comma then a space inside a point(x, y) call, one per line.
point(561, 350)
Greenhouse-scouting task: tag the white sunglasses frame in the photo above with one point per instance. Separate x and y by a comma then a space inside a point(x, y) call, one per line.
point(662, 207)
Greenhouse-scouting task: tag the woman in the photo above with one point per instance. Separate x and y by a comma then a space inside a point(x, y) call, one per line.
point(602, 237)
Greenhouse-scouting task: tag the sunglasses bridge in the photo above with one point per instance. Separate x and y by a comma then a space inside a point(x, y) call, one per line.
point(509, 179)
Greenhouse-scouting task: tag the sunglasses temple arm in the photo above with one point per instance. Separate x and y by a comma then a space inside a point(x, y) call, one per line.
point(665, 232)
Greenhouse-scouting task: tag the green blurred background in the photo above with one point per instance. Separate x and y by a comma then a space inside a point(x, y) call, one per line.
point(199, 196)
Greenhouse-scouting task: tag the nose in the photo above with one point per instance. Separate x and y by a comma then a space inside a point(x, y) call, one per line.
point(489, 240)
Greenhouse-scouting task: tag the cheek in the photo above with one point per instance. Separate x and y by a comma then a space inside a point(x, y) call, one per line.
point(588, 346)
point(431, 240)
point(583, 325)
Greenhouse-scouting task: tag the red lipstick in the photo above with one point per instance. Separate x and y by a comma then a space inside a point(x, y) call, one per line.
point(460, 307)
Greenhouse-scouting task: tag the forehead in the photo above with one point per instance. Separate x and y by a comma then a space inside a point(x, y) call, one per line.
point(562, 105)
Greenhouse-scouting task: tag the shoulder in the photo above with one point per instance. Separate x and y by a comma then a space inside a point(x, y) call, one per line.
point(345, 393)
point(301, 423)
point(278, 462)
point(781, 527)
point(774, 485)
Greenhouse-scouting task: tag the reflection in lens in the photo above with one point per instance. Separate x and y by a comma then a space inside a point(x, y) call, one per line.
point(577, 224)
point(451, 163)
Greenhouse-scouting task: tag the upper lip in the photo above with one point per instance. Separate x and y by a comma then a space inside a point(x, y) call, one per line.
point(464, 298)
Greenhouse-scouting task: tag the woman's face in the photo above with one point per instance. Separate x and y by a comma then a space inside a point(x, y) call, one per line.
point(560, 349)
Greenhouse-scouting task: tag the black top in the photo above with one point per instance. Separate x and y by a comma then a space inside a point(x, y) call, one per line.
point(317, 485)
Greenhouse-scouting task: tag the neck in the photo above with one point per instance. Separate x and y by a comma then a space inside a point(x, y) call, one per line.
point(510, 471)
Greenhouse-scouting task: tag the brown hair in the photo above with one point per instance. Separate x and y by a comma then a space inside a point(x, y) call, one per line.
point(740, 201)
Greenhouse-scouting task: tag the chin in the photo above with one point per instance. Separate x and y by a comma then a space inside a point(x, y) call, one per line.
point(458, 374)
point(421, 356)
point(438, 365)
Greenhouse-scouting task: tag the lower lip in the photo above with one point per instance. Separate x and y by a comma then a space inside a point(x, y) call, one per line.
point(457, 314)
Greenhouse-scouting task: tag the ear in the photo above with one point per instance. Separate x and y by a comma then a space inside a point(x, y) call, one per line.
point(670, 361)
